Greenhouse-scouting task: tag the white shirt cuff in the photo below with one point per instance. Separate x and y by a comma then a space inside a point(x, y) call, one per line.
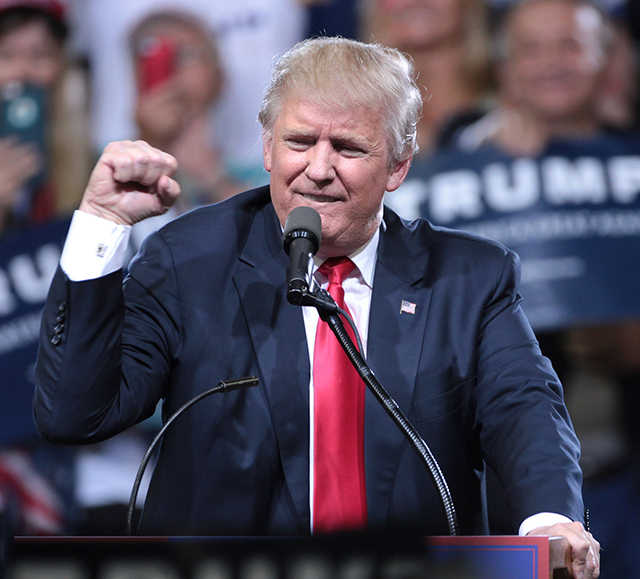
point(541, 520)
point(94, 247)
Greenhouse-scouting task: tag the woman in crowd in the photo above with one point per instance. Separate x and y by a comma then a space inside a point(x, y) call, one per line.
point(449, 43)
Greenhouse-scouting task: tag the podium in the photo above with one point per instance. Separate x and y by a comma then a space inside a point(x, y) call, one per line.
point(330, 557)
point(508, 557)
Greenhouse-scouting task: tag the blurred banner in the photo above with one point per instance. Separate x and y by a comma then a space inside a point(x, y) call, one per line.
point(28, 261)
point(572, 214)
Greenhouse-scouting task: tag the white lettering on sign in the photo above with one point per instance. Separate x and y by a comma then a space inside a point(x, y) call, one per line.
point(7, 299)
point(574, 182)
point(20, 332)
point(515, 186)
point(27, 278)
point(31, 275)
point(624, 173)
point(512, 188)
point(455, 195)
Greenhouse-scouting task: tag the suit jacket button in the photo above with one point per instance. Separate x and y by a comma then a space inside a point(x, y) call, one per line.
point(62, 306)
point(56, 339)
point(58, 328)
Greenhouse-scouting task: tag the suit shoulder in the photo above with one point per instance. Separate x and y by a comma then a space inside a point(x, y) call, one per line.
point(213, 233)
point(452, 243)
point(237, 209)
point(217, 225)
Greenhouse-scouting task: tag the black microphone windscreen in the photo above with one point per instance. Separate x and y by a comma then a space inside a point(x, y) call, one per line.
point(303, 219)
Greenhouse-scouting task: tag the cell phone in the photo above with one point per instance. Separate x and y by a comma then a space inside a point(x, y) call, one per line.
point(156, 61)
point(23, 114)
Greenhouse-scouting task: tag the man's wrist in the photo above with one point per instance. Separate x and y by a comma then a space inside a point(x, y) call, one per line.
point(94, 247)
point(541, 520)
point(101, 213)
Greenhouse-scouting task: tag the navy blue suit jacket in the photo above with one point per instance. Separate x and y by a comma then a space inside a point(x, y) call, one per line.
point(205, 301)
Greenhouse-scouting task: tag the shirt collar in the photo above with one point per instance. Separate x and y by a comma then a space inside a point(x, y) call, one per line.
point(364, 257)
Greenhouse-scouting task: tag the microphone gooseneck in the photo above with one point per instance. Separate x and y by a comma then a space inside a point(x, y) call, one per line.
point(301, 241)
point(222, 386)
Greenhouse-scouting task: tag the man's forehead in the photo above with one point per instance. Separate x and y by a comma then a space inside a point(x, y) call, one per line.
point(326, 109)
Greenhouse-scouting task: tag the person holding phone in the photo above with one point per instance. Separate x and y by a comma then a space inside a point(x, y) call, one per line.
point(38, 162)
point(179, 77)
point(31, 62)
point(44, 158)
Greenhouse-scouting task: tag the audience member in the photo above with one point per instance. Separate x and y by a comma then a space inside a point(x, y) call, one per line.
point(249, 35)
point(449, 43)
point(551, 61)
point(528, 173)
point(41, 173)
point(172, 112)
point(33, 63)
point(620, 89)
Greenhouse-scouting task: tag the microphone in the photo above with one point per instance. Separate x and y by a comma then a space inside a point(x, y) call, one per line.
point(301, 241)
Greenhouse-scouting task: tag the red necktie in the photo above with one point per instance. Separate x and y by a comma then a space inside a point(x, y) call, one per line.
point(339, 499)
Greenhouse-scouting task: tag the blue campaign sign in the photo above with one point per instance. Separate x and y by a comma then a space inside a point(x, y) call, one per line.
point(572, 214)
point(28, 261)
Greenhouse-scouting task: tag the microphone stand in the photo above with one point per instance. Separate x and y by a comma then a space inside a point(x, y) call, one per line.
point(330, 313)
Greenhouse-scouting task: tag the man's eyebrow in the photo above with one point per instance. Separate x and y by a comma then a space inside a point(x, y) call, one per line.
point(350, 140)
point(298, 132)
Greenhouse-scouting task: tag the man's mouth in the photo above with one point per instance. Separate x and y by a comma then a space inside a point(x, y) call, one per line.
point(320, 198)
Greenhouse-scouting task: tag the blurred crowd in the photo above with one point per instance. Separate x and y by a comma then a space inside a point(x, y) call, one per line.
point(526, 87)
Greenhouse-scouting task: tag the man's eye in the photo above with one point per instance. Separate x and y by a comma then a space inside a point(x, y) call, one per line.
point(349, 150)
point(298, 143)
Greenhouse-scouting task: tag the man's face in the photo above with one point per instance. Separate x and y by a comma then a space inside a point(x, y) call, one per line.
point(335, 161)
point(555, 59)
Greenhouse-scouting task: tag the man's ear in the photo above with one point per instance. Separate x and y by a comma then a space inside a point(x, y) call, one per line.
point(398, 174)
point(267, 142)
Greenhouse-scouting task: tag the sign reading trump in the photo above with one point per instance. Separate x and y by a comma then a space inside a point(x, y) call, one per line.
point(572, 214)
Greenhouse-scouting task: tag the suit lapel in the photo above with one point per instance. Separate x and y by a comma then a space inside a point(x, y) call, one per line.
point(277, 332)
point(396, 336)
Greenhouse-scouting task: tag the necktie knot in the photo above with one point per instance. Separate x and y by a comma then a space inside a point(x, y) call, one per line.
point(337, 269)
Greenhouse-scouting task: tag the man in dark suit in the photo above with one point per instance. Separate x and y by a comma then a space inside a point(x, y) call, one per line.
point(206, 300)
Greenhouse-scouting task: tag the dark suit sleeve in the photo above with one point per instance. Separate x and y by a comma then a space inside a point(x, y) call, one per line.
point(525, 430)
point(103, 365)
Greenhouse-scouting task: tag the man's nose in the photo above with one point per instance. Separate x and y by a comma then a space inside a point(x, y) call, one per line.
point(320, 163)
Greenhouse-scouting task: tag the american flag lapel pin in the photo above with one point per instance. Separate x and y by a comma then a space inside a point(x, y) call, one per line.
point(407, 307)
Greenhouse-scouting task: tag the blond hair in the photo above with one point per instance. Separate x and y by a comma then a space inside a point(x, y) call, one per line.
point(349, 74)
